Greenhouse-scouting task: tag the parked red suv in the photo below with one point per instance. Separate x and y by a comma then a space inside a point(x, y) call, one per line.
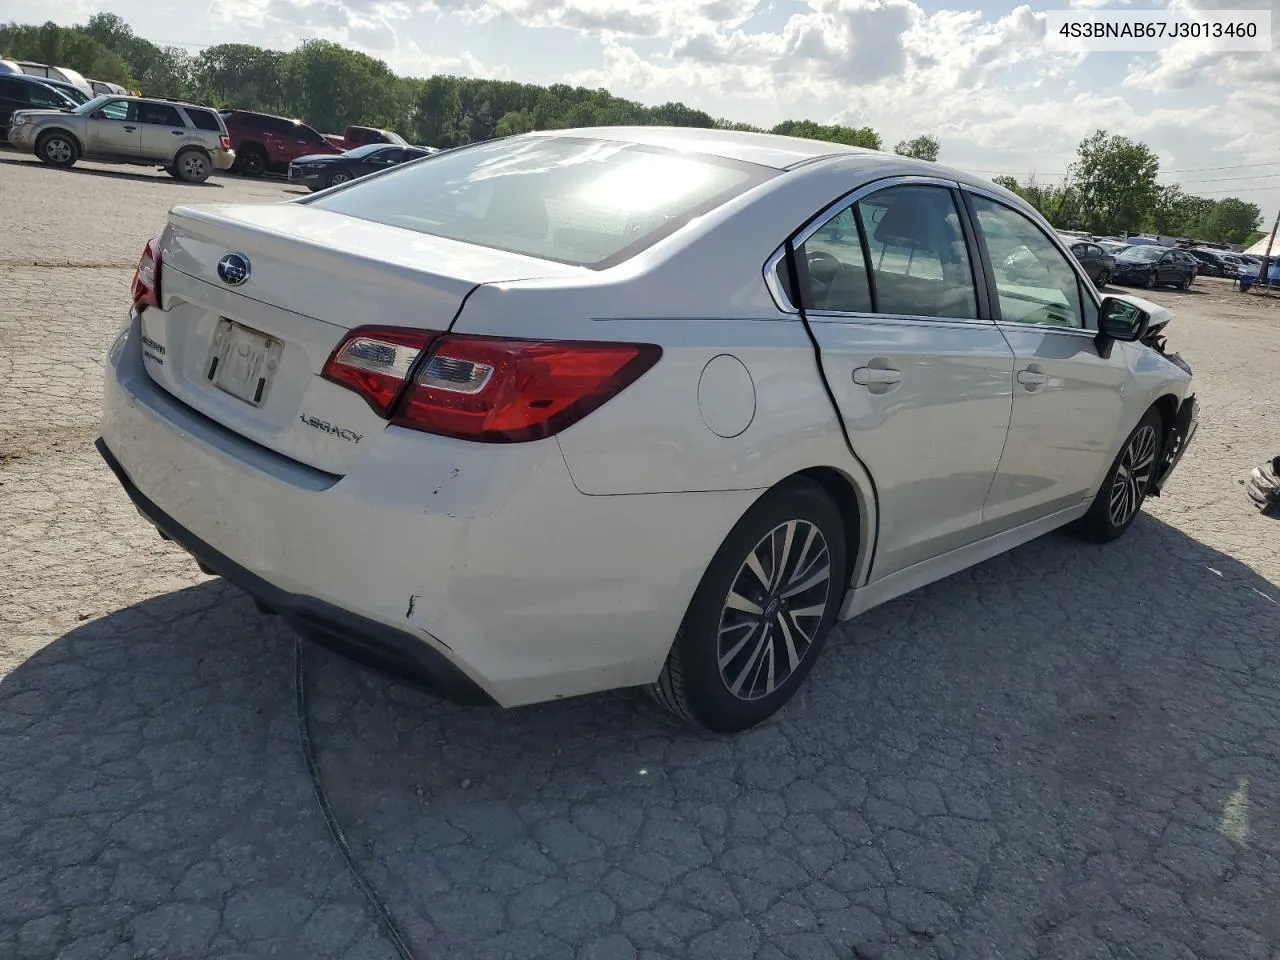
point(356, 136)
point(263, 142)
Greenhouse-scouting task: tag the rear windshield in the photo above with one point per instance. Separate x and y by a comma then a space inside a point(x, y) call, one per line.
point(587, 202)
point(204, 119)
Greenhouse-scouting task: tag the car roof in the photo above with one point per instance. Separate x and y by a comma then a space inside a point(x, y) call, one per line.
point(772, 150)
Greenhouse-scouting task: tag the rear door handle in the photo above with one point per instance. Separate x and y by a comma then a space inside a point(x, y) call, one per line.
point(130, 129)
point(867, 376)
point(177, 133)
point(1032, 378)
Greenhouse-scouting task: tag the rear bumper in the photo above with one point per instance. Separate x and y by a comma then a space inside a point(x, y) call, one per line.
point(479, 562)
point(358, 637)
point(223, 159)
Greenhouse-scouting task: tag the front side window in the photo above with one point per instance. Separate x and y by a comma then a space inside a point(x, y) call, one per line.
point(918, 257)
point(1034, 282)
point(574, 200)
point(115, 110)
point(44, 97)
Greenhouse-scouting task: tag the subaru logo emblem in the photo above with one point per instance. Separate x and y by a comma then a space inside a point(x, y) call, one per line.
point(233, 269)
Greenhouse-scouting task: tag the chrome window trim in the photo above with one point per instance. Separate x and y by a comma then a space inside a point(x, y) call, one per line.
point(824, 216)
point(835, 316)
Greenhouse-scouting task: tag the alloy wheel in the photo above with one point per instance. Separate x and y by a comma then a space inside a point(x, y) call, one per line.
point(338, 178)
point(775, 606)
point(193, 166)
point(57, 150)
point(1132, 476)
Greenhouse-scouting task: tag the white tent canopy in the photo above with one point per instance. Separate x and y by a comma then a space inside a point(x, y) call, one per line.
point(1259, 249)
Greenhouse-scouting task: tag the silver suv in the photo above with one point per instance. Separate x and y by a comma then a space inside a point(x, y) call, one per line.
point(188, 141)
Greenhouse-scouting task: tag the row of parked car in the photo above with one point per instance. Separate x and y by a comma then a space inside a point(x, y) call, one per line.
point(1141, 261)
point(39, 116)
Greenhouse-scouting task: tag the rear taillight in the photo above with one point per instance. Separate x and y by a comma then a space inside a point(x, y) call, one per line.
point(375, 362)
point(226, 142)
point(146, 278)
point(484, 388)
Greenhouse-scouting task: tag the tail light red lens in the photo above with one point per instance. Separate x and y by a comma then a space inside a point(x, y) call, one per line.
point(146, 278)
point(509, 391)
point(486, 389)
point(375, 362)
point(226, 142)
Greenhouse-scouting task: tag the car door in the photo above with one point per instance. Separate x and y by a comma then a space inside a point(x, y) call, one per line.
point(1067, 398)
point(163, 130)
point(113, 131)
point(920, 374)
point(1082, 255)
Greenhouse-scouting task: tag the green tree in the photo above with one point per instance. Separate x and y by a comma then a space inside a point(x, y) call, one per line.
point(513, 122)
point(1232, 221)
point(923, 147)
point(239, 75)
point(437, 113)
point(834, 133)
point(1115, 179)
point(331, 86)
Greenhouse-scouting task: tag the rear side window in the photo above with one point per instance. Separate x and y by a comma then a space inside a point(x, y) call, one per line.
point(587, 202)
point(204, 119)
point(13, 90)
point(918, 257)
point(160, 114)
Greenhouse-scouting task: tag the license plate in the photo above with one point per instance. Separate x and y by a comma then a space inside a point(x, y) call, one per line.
point(242, 361)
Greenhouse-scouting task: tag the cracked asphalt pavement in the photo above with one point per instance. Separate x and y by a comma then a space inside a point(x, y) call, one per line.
point(1066, 752)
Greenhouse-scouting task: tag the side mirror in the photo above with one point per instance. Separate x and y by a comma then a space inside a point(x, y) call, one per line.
point(99, 114)
point(1121, 320)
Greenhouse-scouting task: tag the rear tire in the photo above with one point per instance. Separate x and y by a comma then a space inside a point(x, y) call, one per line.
point(58, 149)
point(1104, 278)
point(193, 165)
point(251, 161)
point(761, 614)
point(1125, 488)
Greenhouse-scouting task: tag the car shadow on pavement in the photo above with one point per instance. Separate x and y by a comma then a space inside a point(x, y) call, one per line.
point(1068, 749)
point(158, 176)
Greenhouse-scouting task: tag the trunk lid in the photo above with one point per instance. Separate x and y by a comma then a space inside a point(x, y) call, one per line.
point(249, 354)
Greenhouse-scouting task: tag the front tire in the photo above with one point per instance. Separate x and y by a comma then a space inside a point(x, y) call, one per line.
point(58, 149)
point(1150, 281)
point(340, 176)
point(761, 614)
point(1127, 482)
point(1104, 278)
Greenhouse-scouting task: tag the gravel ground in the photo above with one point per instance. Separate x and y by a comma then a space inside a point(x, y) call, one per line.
point(1067, 752)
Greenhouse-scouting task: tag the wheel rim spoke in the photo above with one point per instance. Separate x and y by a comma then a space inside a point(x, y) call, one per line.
point(1132, 477)
point(762, 639)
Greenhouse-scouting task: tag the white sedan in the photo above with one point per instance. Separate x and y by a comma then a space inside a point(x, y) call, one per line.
point(618, 407)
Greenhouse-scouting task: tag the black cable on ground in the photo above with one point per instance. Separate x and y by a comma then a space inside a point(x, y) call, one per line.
point(390, 928)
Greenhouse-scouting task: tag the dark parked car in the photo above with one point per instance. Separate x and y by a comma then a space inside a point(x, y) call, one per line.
point(264, 142)
point(1213, 264)
point(1148, 266)
point(28, 93)
point(1097, 263)
point(321, 171)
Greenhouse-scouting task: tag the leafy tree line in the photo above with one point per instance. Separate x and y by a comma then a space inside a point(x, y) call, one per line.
point(330, 86)
point(1112, 189)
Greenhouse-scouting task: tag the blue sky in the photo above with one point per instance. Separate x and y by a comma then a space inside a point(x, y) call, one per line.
point(978, 78)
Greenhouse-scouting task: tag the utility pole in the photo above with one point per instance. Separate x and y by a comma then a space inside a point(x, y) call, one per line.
point(1264, 271)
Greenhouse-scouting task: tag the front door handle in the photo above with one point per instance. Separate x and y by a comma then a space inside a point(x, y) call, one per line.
point(868, 376)
point(1032, 378)
point(130, 129)
point(177, 133)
